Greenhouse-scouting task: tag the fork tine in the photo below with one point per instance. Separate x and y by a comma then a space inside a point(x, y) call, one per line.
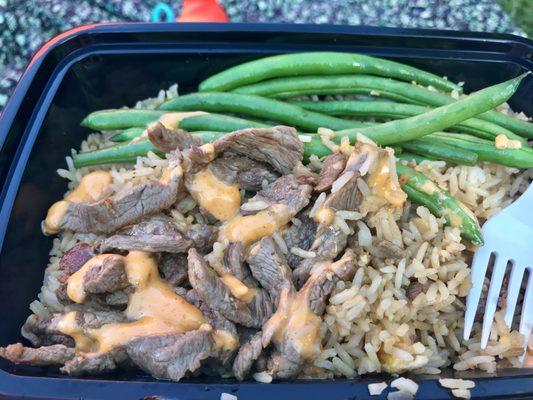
point(478, 271)
point(526, 319)
point(513, 289)
point(493, 295)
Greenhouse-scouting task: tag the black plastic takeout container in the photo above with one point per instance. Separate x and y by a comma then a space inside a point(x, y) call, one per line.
point(111, 65)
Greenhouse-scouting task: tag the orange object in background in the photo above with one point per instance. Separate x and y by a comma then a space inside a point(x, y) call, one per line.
point(202, 11)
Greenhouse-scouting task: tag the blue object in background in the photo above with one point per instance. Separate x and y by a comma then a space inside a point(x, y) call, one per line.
point(162, 10)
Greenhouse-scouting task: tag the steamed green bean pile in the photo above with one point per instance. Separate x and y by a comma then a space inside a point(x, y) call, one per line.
point(422, 115)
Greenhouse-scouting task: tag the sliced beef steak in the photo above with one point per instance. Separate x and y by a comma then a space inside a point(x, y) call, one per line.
point(211, 289)
point(94, 363)
point(348, 197)
point(278, 146)
point(45, 330)
point(329, 239)
point(328, 243)
point(286, 330)
point(203, 237)
point(247, 355)
point(74, 258)
point(233, 261)
point(167, 140)
point(171, 356)
point(290, 191)
point(269, 267)
point(173, 268)
point(56, 354)
point(247, 173)
point(332, 166)
point(71, 261)
point(156, 234)
point(106, 276)
point(300, 236)
point(279, 203)
point(126, 207)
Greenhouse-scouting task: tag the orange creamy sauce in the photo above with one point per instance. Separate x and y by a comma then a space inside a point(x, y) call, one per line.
point(250, 228)
point(215, 196)
point(93, 187)
point(294, 321)
point(153, 307)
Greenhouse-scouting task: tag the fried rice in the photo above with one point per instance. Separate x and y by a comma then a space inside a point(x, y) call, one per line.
point(370, 325)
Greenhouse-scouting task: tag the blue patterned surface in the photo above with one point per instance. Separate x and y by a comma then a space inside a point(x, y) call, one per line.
point(26, 24)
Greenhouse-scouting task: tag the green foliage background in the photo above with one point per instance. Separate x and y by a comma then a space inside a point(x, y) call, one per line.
point(521, 11)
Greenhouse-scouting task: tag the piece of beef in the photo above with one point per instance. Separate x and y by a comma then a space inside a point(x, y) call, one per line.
point(128, 206)
point(332, 166)
point(203, 237)
point(173, 268)
point(56, 354)
point(278, 146)
point(322, 282)
point(156, 234)
point(44, 330)
point(74, 258)
point(329, 242)
point(300, 236)
point(107, 276)
point(233, 262)
point(171, 356)
point(247, 173)
point(269, 267)
point(71, 261)
point(290, 191)
point(167, 140)
point(94, 363)
point(248, 353)
point(160, 233)
point(289, 356)
point(285, 365)
point(105, 283)
point(224, 328)
point(118, 299)
point(217, 295)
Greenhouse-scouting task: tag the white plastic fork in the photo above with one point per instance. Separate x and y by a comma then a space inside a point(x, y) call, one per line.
point(509, 237)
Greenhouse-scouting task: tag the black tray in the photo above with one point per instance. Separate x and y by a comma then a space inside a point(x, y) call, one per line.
point(110, 65)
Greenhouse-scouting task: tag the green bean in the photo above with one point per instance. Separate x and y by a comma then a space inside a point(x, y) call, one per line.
point(127, 135)
point(314, 63)
point(437, 119)
point(441, 151)
point(109, 120)
point(285, 88)
point(486, 150)
point(218, 122)
point(122, 153)
point(421, 190)
point(388, 109)
point(259, 107)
